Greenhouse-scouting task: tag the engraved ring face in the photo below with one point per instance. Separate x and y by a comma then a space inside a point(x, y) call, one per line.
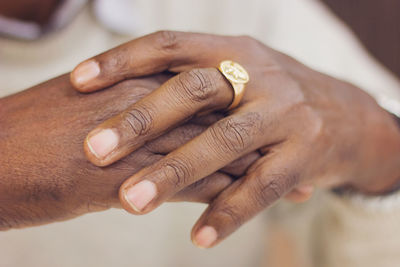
point(234, 72)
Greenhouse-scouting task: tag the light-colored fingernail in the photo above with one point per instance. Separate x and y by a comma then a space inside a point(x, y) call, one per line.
point(139, 195)
point(205, 237)
point(86, 71)
point(103, 143)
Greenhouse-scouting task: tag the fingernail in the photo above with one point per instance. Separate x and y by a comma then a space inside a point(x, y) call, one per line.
point(139, 195)
point(86, 71)
point(103, 143)
point(205, 237)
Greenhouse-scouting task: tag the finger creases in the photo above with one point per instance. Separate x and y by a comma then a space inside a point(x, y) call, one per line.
point(221, 144)
point(246, 197)
point(176, 101)
point(150, 54)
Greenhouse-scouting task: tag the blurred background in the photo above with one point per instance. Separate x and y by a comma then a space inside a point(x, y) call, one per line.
point(357, 41)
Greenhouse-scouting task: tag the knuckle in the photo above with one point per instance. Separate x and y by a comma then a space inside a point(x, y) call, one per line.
point(197, 84)
point(139, 120)
point(178, 171)
point(229, 213)
point(274, 186)
point(230, 135)
point(166, 40)
point(236, 135)
point(116, 63)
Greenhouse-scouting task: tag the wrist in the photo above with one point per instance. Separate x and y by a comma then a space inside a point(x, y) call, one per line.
point(382, 138)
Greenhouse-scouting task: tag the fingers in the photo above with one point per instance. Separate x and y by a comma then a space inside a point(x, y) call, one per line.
point(239, 167)
point(204, 190)
point(175, 138)
point(222, 143)
point(170, 141)
point(174, 102)
point(245, 198)
point(150, 54)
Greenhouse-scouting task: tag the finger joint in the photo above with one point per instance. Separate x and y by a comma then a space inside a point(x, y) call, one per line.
point(198, 85)
point(236, 134)
point(139, 120)
point(275, 187)
point(178, 171)
point(229, 214)
point(166, 40)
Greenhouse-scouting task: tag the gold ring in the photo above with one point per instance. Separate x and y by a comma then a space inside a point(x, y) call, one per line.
point(238, 77)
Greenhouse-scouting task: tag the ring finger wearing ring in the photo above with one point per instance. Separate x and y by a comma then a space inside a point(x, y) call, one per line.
point(178, 99)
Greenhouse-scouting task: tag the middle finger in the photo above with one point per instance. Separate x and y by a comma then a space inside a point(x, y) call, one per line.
point(222, 143)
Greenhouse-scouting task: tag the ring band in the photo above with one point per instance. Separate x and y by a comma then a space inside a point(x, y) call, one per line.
point(237, 77)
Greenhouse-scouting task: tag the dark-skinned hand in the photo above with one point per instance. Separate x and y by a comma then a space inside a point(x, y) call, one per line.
point(311, 129)
point(44, 174)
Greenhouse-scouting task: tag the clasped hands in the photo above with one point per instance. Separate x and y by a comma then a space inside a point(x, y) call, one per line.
point(164, 134)
point(304, 129)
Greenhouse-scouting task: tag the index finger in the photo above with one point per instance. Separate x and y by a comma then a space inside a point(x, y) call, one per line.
point(154, 53)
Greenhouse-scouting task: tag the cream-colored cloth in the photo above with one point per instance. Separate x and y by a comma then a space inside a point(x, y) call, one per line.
point(327, 231)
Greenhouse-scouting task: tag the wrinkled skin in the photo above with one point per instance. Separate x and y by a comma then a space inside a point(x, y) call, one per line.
point(44, 174)
point(311, 129)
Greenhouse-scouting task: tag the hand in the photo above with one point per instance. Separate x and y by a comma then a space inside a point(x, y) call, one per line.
point(44, 175)
point(310, 128)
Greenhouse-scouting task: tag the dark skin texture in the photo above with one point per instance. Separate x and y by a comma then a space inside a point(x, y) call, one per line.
point(380, 128)
point(310, 129)
point(44, 174)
